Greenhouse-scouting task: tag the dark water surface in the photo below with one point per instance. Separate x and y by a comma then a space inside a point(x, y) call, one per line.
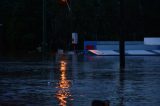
point(77, 80)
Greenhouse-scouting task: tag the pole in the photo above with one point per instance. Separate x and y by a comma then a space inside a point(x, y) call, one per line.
point(69, 8)
point(1, 39)
point(70, 15)
point(122, 51)
point(44, 31)
point(122, 39)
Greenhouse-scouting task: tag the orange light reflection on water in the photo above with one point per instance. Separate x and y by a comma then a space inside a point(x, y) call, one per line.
point(63, 86)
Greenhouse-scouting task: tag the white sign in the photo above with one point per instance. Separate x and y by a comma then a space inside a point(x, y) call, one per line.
point(74, 38)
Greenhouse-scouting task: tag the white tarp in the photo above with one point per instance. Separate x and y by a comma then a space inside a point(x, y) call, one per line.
point(139, 52)
point(152, 41)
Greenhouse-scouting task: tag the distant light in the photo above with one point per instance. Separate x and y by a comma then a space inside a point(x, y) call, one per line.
point(1, 24)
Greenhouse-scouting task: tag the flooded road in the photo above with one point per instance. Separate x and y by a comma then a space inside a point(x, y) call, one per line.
point(77, 80)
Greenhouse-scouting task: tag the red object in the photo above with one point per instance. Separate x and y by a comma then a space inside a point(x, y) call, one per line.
point(63, 2)
point(90, 47)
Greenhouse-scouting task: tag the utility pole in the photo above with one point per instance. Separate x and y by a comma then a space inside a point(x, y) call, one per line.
point(44, 43)
point(64, 3)
point(69, 8)
point(1, 39)
point(68, 3)
point(122, 38)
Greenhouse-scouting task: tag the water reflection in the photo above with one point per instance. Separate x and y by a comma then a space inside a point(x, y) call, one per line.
point(63, 85)
point(121, 87)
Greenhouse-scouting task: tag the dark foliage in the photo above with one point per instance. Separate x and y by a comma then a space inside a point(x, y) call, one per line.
point(25, 22)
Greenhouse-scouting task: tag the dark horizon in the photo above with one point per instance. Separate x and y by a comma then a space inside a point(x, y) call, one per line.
point(26, 24)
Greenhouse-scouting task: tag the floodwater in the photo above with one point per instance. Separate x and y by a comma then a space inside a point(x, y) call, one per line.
point(77, 80)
